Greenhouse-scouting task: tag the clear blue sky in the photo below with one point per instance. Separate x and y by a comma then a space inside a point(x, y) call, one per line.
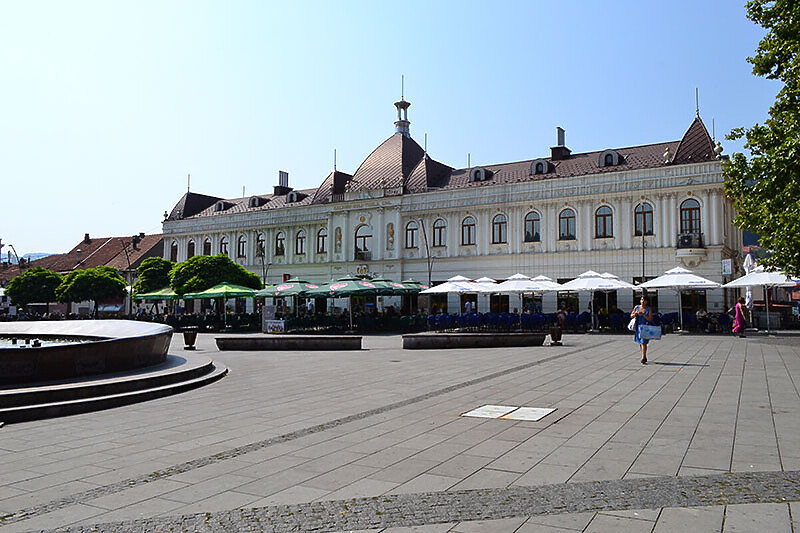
point(106, 106)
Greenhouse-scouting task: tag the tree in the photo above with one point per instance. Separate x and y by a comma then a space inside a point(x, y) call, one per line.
point(96, 284)
point(766, 188)
point(35, 285)
point(153, 274)
point(202, 272)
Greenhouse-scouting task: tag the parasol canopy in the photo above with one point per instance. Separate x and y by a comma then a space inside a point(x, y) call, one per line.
point(761, 278)
point(519, 283)
point(591, 281)
point(221, 290)
point(344, 287)
point(162, 294)
point(291, 287)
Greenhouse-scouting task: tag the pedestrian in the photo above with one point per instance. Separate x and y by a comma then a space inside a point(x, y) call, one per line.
point(643, 315)
point(739, 320)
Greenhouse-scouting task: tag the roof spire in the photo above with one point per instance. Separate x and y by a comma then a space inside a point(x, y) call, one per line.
point(334, 159)
point(402, 123)
point(696, 102)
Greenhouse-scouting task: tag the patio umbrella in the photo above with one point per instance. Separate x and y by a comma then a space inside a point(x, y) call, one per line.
point(455, 284)
point(162, 294)
point(414, 285)
point(680, 279)
point(764, 279)
point(345, 287)
point(291, 287)
point(222, 290)
point(546, 282)
point(387, 287)
point(519, 283)
point(590, 281)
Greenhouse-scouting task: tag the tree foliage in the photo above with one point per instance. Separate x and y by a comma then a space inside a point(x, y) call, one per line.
point(766, 187)
point(202, 272)
point(97, 284)
point(35, 285)
point(153, 274)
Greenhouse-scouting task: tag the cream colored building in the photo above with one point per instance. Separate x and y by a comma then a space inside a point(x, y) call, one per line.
point(556, 215)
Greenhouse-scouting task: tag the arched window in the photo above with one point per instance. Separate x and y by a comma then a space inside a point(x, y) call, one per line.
point(280, 244)
point(190, 250)
point(260, 245)
point(173, 252)
point(207, 246)
point(643, 219)
point(609, 160)
point(690, 216)
point(300, 242)
point(411, 234)
point(499, 229)
point(468, 231)
point(223, 246)
point(440, 233)
point(603, 222)
point(540, 168)
point(241, 246)
point(322, 241)
point(363, 242)
point(533, 229)
point(566, 225)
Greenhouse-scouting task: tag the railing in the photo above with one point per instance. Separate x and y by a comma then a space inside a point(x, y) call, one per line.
point(363, 256)
point(337, 197)
point(690, 240)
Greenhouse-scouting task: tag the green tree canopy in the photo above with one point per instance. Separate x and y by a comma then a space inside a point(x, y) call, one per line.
point(202, 272)
point(35, 285)
point(97, 284)
point(766, 187)
point(153, 274)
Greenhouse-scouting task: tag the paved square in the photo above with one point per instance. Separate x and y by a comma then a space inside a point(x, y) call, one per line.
point(706, 436)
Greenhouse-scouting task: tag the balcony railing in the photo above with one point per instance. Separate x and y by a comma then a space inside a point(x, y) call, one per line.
point(337, 197)
point(363, 256)
point(690, 240)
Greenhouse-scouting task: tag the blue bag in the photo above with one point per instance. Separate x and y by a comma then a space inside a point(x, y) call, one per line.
point(647, 332)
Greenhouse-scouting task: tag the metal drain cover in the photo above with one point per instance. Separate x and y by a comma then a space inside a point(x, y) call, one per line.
point(508, 412)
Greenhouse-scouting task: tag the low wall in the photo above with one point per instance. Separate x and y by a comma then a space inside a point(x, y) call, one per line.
point(290, 342)
point(422, 341)
point(117, 345)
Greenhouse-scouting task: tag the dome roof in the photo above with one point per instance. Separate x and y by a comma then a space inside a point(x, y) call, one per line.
point(389, 165)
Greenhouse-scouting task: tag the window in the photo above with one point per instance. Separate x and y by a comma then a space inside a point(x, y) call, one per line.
point(539, 168)
point(260, 245)
point(609, 160)
point(300, 242)
point(566, 225)
point(190, 250)
point(468, 231)
point(411, 234)
point(603, 222)
point(173, 252)
point(241, 246)
point(223, 246)
point(363, 238)
point(439, 233)
point(533, 227)
point(690, 216)
point(207, 247)
point(643, 218)
point(499, 229)
point(280, 244)
point(322, 241)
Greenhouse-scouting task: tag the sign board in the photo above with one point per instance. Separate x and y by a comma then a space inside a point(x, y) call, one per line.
point(727, 267)
point(275, 326)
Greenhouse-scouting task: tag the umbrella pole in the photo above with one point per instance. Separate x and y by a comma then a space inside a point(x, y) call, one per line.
point(680, 309)
point(766, 301)
point(350, 305)
point(591, 306)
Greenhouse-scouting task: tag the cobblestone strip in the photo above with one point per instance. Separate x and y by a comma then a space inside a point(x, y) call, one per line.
point(254, 446)
point(482, 504)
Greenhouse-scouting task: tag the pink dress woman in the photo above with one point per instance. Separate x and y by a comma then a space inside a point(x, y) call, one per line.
point(738, 321)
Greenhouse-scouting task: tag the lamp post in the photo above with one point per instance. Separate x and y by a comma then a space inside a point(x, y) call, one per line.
point(130, 277)
point(430, 259)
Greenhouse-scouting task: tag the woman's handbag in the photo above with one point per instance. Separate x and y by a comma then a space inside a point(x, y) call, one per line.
point(632, 324)
point(647, 332)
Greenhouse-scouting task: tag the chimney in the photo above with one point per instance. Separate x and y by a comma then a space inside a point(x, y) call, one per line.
point(559, 151)
point(86, 238)
point(282, 187)
point(78, 251)
point(141, 235)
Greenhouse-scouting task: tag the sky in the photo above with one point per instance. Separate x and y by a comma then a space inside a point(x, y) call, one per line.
point(107, 106)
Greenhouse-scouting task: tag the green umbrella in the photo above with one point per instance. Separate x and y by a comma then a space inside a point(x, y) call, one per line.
point(387, 287)
point(291, 287)
point(344, 287)
point(222, 290)
point(414, 285)
point(163, 294)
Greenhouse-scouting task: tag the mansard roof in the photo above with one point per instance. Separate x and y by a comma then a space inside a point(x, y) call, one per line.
point(191, 204)
point(335, 183)
point(427, 174)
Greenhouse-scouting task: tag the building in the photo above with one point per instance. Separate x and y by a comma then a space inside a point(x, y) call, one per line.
point(123, 253)
point(557, 215)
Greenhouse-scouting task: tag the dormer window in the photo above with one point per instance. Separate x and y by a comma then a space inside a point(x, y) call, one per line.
point(219, 206)
point(294, 196)
point(609, 158)
point(479, 174)
point(540, 166)
point(256, 201)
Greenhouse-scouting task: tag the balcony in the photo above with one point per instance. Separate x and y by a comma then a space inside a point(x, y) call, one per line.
point(363, 256)
point(337, 197)
point(690, 240)
point(690, 251)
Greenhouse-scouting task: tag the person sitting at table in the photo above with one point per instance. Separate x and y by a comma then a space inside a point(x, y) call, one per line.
point(702, 319)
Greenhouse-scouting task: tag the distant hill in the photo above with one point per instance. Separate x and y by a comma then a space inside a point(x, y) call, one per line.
point(28, 257)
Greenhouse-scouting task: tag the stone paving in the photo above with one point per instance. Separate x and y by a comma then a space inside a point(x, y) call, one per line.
point(348, 432)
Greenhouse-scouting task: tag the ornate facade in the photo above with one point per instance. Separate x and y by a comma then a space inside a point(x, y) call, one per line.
point(558, 216)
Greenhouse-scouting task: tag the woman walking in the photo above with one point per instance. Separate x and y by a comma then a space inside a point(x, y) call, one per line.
point(739, 320)
point(643, 315)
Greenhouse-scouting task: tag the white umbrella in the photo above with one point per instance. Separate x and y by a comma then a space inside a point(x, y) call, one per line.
point(749, 266)
point(764, 279)
point(547, 282)
point(521, 283)
point(455, 284)
point(590, 281)
point(680, 279)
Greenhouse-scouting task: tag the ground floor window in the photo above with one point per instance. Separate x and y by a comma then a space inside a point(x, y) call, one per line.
point(498, 303)
point(532, 303)
point(691, 301)
point(652, 295)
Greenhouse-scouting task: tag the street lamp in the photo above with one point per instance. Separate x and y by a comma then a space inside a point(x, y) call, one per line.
point(130, 278)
